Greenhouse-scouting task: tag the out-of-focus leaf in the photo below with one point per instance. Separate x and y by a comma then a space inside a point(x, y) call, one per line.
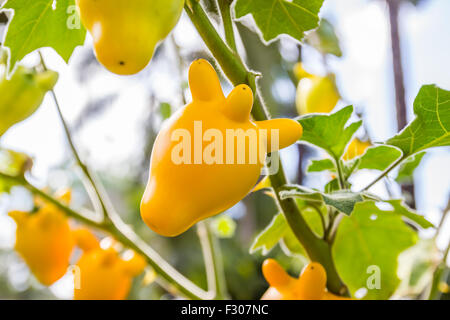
point(223, 226)
point(165, 109)
point(276, 17)
point(324, 39)
point(415, 268)
point(366, 249)
point(406, 171)
point(379, 157)
point(43, 23)
point(431, 127)
point(329, 131)
point(270, 236)
point(278, 229)
point(14, 163)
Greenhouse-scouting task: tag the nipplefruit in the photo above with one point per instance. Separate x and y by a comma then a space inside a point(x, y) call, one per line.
point(190, 181)
point(310, 285)
point(125, 32)
point(44, 240)
point(103, 273)
point(315, 94)
point(356, 148)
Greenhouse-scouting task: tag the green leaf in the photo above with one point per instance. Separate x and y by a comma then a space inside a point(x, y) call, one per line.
point(399, 207)
point(371, 238)
point(416, 266)
point(276, 17)
point(431, 127)
point(279, 231)
point(343, 201)
point(291, 246)
point(270, 236)
point(324, 39)
point(43, 23)
point(321, 165)
point(406, 171)
point(14, 163)
point(223, 226)
point(379, 157)
point(165, 109)
point(311, 212)
point(329, 131)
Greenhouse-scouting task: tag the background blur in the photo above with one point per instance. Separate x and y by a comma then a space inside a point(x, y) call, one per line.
point(114, 120)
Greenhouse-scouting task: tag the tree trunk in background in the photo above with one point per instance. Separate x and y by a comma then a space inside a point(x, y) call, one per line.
point(400, 104)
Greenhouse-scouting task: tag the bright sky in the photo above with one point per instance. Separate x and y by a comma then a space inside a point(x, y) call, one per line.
point(363, 75)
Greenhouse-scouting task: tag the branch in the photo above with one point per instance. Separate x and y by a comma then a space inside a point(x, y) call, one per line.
point(213, 261)
point(90, 185)
point(317, 249)
point(383, 174)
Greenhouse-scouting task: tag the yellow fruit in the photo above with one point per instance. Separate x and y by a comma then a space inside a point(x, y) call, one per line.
point(104, 274)
point(299, 72)
point(316, 95)
point(22, 95)
point(125, 32)
point(195, 171)
point(310, 285)
point(45, 242)
point(356, 148)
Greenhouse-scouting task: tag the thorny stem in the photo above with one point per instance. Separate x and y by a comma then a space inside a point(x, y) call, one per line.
point(91, 186)
point(317, 249)
point(322, 219)
point(225, 12)
point(340, 173)
point(213, 261)
point(384, 173)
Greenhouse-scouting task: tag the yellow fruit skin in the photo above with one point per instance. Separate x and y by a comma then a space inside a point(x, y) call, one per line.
point(179, 195)
point(45, 242)
point(125, 33)
point(22, 95)
point(316, 95)
point(356, 148)
point(299, 72)
point(310, 285)
point(104, 275)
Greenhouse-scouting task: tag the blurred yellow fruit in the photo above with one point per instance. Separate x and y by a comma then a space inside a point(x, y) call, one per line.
point(316, 95)
point(300, 72)
point(104, 274)
point(310, 285)
point(45, 242)
point(356, 148)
